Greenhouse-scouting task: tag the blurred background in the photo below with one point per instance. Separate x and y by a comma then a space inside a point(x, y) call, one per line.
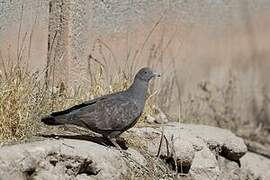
point(213, 56)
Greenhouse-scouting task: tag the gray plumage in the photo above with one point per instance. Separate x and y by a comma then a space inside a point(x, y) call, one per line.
point(109, 115)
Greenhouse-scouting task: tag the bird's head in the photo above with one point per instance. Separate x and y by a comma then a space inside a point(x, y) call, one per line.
point(146, 74)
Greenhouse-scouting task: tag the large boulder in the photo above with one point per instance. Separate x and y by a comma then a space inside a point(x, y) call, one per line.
point(221, 141)
point(64, 159)
point(200, 152)
point(193, 147)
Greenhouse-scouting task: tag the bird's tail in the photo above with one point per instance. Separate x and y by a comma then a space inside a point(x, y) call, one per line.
point(51, 120)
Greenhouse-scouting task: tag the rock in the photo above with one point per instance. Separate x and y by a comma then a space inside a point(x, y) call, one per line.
point(149, 119)
point(184, 152)
point(202, 152)
point(220, 141)
point(207, 143)
point(64, 159)
point(217, 139)
point(180, 153)
point(160, 116)
point(234, 148)
point(230, 170)
point(204, 166)
point(14, 175)
point(257, 165)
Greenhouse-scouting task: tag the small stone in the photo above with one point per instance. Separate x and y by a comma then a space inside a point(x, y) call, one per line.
point(160, 117)
point(27, 164)
point(234, 148)
point(205, 166)
point(149, 119)
point(184, 152)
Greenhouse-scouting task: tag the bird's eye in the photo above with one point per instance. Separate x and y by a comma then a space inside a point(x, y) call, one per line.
point(145, 72)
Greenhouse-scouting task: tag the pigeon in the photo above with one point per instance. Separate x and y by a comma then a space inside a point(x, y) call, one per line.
point(109, 115)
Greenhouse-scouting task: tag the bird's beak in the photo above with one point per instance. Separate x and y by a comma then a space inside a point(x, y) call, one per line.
point(155, 74)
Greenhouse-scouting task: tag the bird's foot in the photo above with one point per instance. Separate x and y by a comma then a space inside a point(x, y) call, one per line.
point(114, 142)
point(118, 147)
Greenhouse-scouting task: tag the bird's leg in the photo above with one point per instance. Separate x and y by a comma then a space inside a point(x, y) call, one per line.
point(118, 147)
point(124, 153)
point(113, 141)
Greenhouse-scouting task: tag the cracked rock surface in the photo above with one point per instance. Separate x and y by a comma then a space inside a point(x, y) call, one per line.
point(208, 145)
point(201, 152)
point(63, 159)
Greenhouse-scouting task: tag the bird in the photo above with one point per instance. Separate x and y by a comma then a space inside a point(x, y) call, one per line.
point(109, 115)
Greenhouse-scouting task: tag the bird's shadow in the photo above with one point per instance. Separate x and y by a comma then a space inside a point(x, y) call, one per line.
point(96, 139)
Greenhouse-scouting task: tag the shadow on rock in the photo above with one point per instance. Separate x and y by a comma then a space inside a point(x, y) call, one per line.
point(99, 140)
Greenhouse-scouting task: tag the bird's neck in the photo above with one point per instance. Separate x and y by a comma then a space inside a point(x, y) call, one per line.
point(138, 91)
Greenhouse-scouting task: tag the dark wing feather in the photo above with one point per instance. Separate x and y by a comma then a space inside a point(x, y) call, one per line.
point(79, 106)
point(76, 107)
point(113, 113)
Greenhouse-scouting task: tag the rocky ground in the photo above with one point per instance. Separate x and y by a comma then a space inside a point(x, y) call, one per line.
point(170, 151)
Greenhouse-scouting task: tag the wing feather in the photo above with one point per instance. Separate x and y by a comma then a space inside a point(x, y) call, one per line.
point(79, 106)
point(108, 114)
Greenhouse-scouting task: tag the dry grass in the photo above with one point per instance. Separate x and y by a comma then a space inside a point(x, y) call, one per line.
point(25, 98)
point(20, 102)
point(213, 105)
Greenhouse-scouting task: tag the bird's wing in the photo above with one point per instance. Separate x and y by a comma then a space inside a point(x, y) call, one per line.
point(108, 113)
point(79, 106)
point(119, 114)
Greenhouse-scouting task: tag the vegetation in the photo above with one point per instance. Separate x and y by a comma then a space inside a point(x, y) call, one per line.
point(26, 96)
